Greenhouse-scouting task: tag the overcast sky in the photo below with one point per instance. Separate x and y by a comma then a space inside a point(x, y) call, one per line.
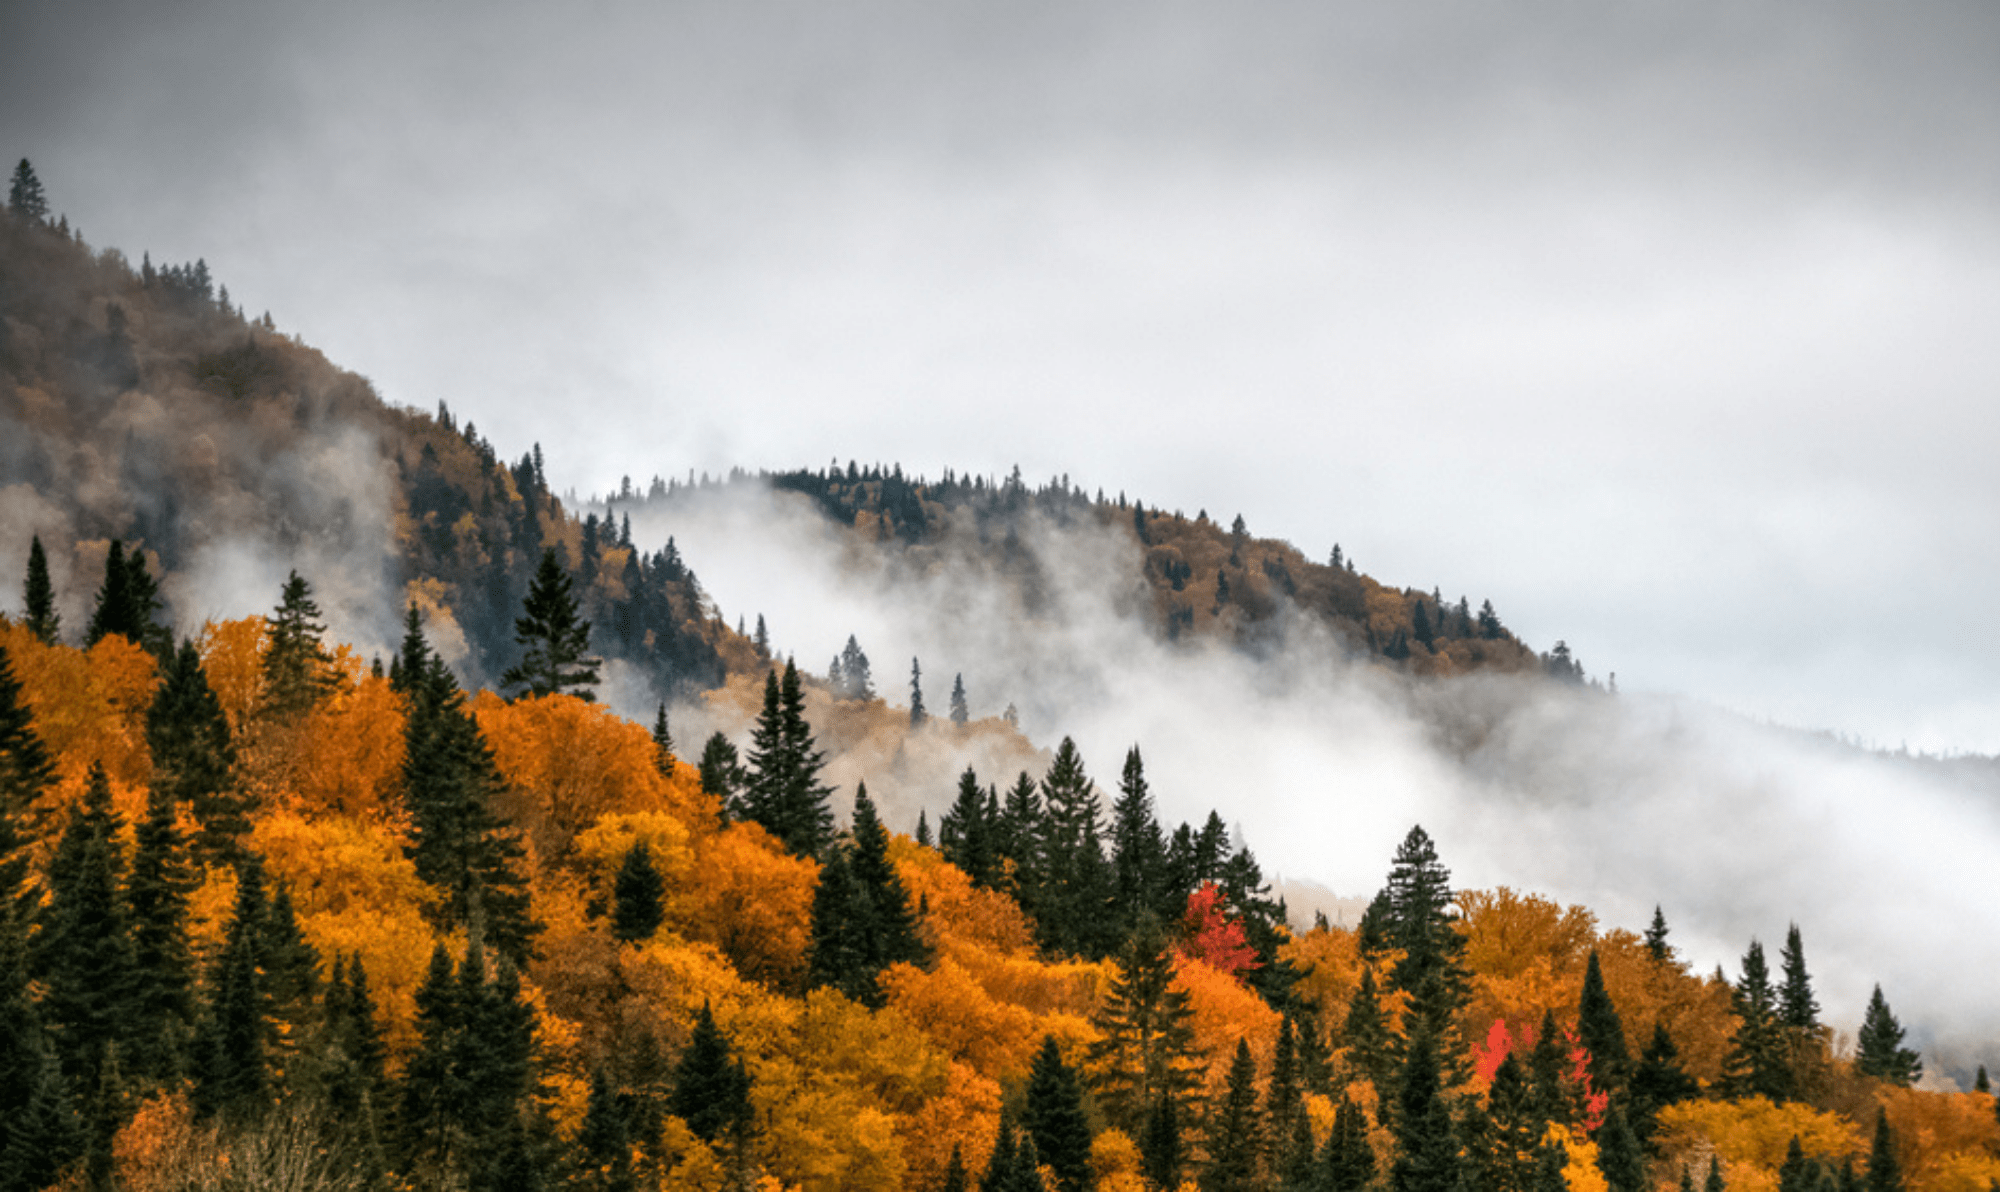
point(1669, 328)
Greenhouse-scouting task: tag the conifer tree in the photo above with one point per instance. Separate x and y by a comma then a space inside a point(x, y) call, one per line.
point(1075, 883)
point(663, 743)
point(955, 1178)
point(194, 759)
point(782, 791)
point(84, 952)
point(1797, 1009)
point(762, 640)
point(1656, 938)
point(1284, 1096)
point(711, 1090)
point(855, 681)
point(1514, 1128)
point(638, 897)
point(1657, 1082)
point(1714, 1181)
point(1053, 1116)
point(25, 198)
point(965, 835)
point(497, 1063)
point(1879, 1050)
point(156, 897)
point(923, 834)
point(959, 713)
point(917, 714)
point(1011, 1166)
point(836, 947)
point(432, 1103)
point(1426, 1142)
point(298, 669)
point(126, 601)
point(356, 1078)
point(721, 775)
point(1601, 1032)
point(44, 1140)
point(231, 1074)
point(554, 641)
point(1885, 1171)
point(1143, 1055)
point(1416, 921)
point(1371, 1044)
point(1755, 1064)
point(1619, 1155)
point(892, 921)
point(1235, 1144)
point(1160, 1150)
point(1018, 838)
point(26, 771)
point(38, 596)
point(1347, 1162)
point(604, 1144)
point(1138, 853)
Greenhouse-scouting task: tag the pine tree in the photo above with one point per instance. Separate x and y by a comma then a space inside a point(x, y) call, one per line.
point(194, 760)
point(604, 1144)
point(955, 1179)
point(1138, 853)
point(44, 1139)
point(26, 771)
point(1656, 938)
point(711, 1090)
point(1347, 1162)
point(917, 714)
point(663, 743)
point(892, 921)
point(1658, 1082)
point(231, 1075)
point(1885, 1172)
point(25, 198)
point(721, 775)
point(959, 713)
point(1054, 1118)
point(430, 1119)
point(1075, 884)
point(1601, 1032)
point(498, 1064)
point(1619, 1154)
point(923, 834)
point(1879, 1050)
point(1756, 1063)
point(855, 681)
point(1284, 1096)
point(638, 897)
point(1144, 1053)
point(1417, 922)
point(38, 596)
point(762, 641)
point(1160, 1151)
point(298, 669)
point(1371, 1044)
point(1011, 1166)
point(1508, 1160)
point(126, 601)
point(1426, 1142)
point(1797, 1009)
point(1018, 838)
point(782, 791)
point(555, 643)
point(964, 834)
point(837, 953)
point(83, 956)
point(156, 897)
point(1714, 1181)
point(1235, 1144)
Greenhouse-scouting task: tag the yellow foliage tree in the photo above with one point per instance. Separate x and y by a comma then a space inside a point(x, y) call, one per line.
point(1751, 1137)
point(1222, 1010)
point(87, 706)
point(232, 655)
point(754, 902)
point(1945, 1141)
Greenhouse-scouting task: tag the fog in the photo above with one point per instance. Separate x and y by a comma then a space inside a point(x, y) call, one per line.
point(1617, 802)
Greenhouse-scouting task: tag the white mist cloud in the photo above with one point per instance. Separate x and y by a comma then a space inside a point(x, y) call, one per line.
point(1735, 829)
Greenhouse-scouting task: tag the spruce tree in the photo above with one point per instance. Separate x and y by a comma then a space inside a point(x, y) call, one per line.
point(1601, 1032)
point(1371, 1045)
point(638, 897)
point(959, 713)
point(38, 596)
point(1657, 1082)
point(663, 743)
point(298, 669)
point(1011, 1166)
point(231, 1074)
point(1235, 1144)
point(44, 1140)
point(1284, 1097)
point(554, 641)
point(782, 791)
point(892, 930)
point(1160, 1150)
point(762, 641)
point(1714, 1181)
point(711, 1090)
point(837, 952)
point(1619, 1154)
point(1138, 853)
point(1879, 1050)
point(721, 775)
point(433, 1103)
point(1018, 838)
point(1797, 1009)
point(1347, 1162)
point(1656, 938)
point(855, 681)
point(1417, 922)
point(84, 954)
point(126, 601)
point(26, 771)
point(917, 714)
point(923, 833)
point(156, 897)
point(1053, 1116)
point(25, 198)
point(955, 1179)
point(604, 1144)
point(1514, 1131)
point(501, 1077)
point(194, 759)
point(965, 835)
point(1755, 1064)
point(1885, 1172)
point(1075, 884)
point(1144, 1053)
point(1426, 1142)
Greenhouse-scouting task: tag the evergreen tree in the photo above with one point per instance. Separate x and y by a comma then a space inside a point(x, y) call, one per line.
point(231, 1075)
point(38, 596)
point(497, 1063)
point(862, 922)
point(892, 920)
point(1619, 1155)
point(663, 743)
point(638, 897)
point(782, 791)
point(955, 1179)
point(1054, 1118)
point(156, 897)
point(126, 601)
point(1885, 1172)
point(1714, 1181)
point(1416, 921)
point(1797, 1009)
point(1296, 1164)
point(1144, 1053)
point(604, 1144)
point(966, 837)
point(1656, 938)
point(1601, 1032)
point(959, 713)
point(555, 643)
point(1011, 1166)
point(1658, 1082)
point(1347, 1162)
point(1755, 1064)
point(1018, 838)
point(923, 834)
point(1426, 1142)
point(44, 1139)
point(26, 771)
point(1075, 884)
point(762, 641)
point(1315, 1066)
point(84, 956)
point(1509, 1158)
point(1879, 1051)
point(1160, 1151)
point(855, 681)
point(356, 1079)
point(1284, 1096)
point(711, 1090)
point(298, 669)
point(1235, 1144)
point(917, 714)
point(721, 775)
point(25, 198)
point(1371, 1045)
point(433, 1100)
point(1138, 854)
point(194, 760)
point(449, 778)
point(836, 949)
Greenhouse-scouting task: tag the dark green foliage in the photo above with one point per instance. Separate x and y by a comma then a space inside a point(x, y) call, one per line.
point(917, 714)
point(663, 743)
point(923, 834)
point(1756, 1064)
point(959, 714)
point(1980, 1082)
point(1294, 1163)
point(836, 950)
point(711, 1090)
point(862, 921)
point(1714, 1181)
point(1315, 1066)
point(1417, 921)
point(1551, 1096)
point(1885, 1172)
point(638, 897)
point(1656, 937)
point(850, 677)
point(38, 596)
point(1235, 1144)
point(298, 669)
point(721, 774)
point(893, 922)
point(1506, 1158)
point(554, 641)
point(194, 761)
point(126, 601)
point(782, 791)
point(1053, 1116)
point(1658, 1082)
point(354, 1072)
point(1018, 837)
point(22, 1045)
point(604, 1144)
point(1795, 1174)
point(231, 1074)
point(1797, 1009)
point(1426, 1141)
point(44, 1139)
point(955, 1179)
point(156, 898)
point(1283, 1097)
point(1011, 1167)
point(1160, 1150)
point(26, 771)
point(288, 970)
point(1075, 884)
point(1879, 1049)
point(1142, 1056)
point(1619, 1155)
point(1371, 1045)
point(83, 955)
point(1138, 853)
point(449, 779)
point(467, 1099)
point(966, 833)
point(25, 198)
point(1347, 1162)
point(1601, 1032)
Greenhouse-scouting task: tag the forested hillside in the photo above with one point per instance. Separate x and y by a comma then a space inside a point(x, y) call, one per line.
point(278, 914)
